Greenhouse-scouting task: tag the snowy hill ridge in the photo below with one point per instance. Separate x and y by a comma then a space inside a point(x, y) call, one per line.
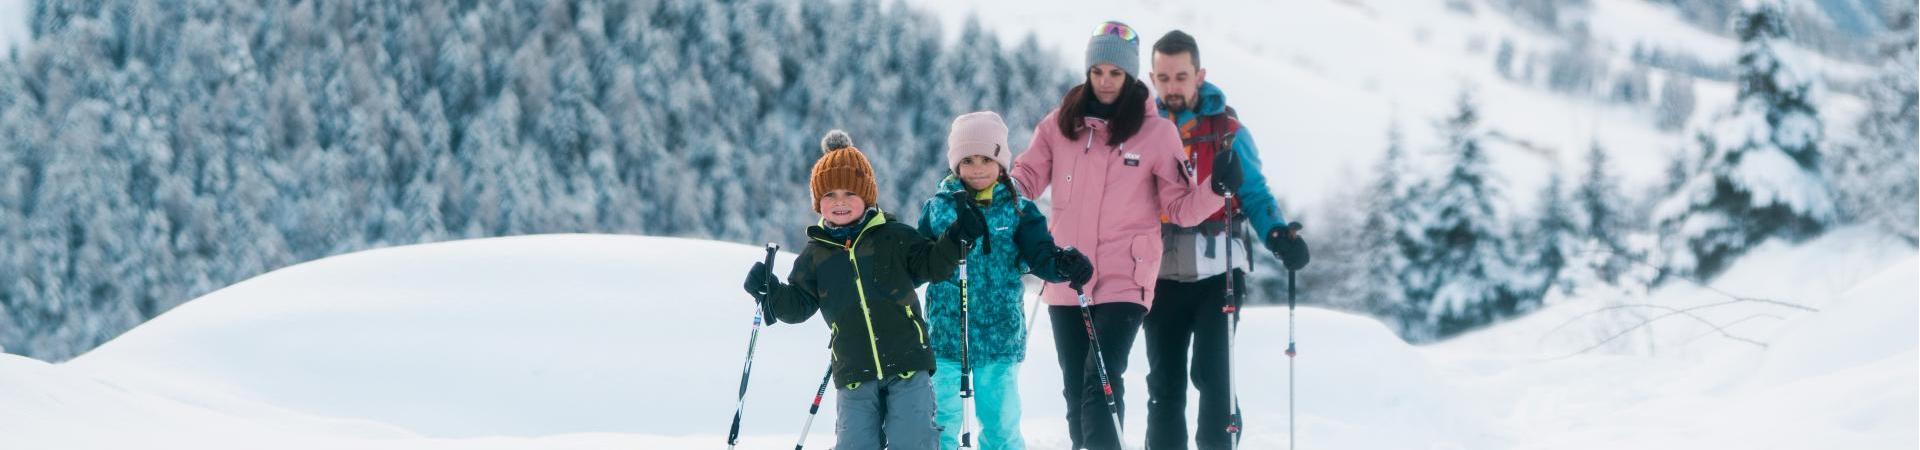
point(588, 341)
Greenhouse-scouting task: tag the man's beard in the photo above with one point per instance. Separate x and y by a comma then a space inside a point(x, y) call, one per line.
point(1176, 103)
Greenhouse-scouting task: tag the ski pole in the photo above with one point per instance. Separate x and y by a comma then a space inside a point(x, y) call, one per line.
point(1033, 311)
point(1100, 363)
point(814, 411)
point(740, 404)
point(966, 362)
point(1231, 313)
point(1292, 295)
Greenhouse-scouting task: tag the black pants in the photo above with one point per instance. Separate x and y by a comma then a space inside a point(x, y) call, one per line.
point(1188, 314)
point(1089, 424)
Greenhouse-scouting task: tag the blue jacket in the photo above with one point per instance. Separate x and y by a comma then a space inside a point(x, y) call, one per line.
point(1017, 240)
point(1256, 199)
point(1200, 252)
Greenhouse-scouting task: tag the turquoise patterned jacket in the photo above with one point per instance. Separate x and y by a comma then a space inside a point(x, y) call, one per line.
point(1017, 242)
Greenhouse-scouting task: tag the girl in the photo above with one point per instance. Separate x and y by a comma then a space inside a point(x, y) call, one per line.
point(1017, 241)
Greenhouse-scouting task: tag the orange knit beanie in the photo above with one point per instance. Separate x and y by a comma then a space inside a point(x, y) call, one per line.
point(843, 167)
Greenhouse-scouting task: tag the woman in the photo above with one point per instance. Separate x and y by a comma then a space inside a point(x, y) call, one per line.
point(1116, 170)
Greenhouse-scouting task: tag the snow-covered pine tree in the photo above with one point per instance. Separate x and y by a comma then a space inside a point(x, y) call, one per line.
point(1547, 246)
point(1460, 274)
point(17, 131)
point(1875, 178)
point(1385, 240)
point(1676, 102)
point(1632, 87)
point(1339, 259)
point(1760, 176)
point(1503, 58)
point(1601, 218)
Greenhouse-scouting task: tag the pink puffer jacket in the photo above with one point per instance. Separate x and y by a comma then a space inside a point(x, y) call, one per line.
point(1108, 201)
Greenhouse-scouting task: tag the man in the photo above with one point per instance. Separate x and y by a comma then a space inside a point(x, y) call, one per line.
point(1192, 310)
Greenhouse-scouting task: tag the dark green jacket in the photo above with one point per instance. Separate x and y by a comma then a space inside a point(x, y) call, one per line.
point(866, 295)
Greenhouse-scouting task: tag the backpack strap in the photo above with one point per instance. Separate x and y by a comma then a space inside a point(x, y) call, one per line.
point(1219, 128)
point(1227, 126)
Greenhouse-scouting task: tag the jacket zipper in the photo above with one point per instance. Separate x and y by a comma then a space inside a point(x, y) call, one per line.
point(873, 340)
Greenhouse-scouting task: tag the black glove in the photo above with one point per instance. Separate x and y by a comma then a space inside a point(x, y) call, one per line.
point(1286, 243)
point(1069, 264)
point(758, 281)
point(1227, 175)
point(968, 225)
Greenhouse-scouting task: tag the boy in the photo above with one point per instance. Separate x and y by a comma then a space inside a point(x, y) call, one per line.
point(859, 269)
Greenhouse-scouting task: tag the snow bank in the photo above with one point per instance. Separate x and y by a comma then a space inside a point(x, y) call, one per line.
point(575, 341)
point(517, 336)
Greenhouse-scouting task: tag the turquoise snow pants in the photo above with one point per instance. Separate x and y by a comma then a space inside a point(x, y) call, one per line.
point(996, 402)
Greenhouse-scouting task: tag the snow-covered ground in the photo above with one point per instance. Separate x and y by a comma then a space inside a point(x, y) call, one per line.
point(1319, 82)
point(1841, 377)
point(578, 341)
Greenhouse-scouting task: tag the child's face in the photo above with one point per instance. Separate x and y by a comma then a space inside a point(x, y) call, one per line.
point(978, 171)
point(840, 207)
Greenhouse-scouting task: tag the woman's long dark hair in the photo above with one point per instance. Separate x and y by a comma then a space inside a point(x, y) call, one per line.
point(1130, 110)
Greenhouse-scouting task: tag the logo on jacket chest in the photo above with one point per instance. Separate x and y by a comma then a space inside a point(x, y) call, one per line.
point(1130, 159)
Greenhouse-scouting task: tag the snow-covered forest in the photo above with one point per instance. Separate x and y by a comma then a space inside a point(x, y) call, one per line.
point(152, 152)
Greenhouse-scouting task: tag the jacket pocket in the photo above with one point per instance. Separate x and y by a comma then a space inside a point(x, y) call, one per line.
point(918, 331)
point(1146, 260)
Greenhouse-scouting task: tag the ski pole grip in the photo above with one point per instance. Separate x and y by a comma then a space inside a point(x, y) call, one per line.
point(1077, 291)
point(766, 283)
